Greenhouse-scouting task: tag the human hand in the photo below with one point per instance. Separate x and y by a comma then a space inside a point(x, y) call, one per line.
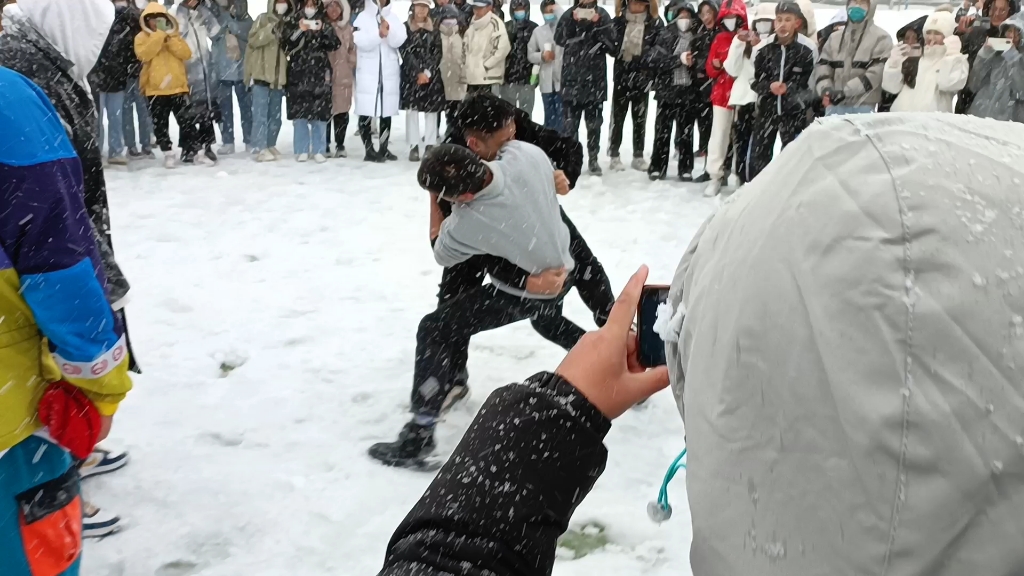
point(422, 79)
point(755, 39)
point(547, 55)
point(716, 63)
point(603, 366)
point(826, 101)
point(561, 183)
point(596, 17)
point(778, 88)
point(304, 25)
point(547, 283)
point(384, 29)
point(965, 23)
point(686, 58)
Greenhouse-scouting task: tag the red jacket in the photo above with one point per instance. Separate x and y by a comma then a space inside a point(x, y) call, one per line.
point(722, 89)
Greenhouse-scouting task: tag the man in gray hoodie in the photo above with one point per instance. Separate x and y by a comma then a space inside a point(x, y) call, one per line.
point(506, 208)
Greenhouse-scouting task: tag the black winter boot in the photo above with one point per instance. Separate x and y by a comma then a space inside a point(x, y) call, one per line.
point(414, 443)
point(705, 177)
point(367, 138)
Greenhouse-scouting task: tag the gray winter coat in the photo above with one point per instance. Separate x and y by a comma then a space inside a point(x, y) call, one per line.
point(853, 348)
point(550, 72)
point(197, 27)
point(853, 61)
point(228, 53)
point(997, 81)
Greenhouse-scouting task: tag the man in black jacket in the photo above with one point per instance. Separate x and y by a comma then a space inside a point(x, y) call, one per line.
point(109, 79)
point(636, 28)
point(544, 440)
point(585, 32)
point(782, 72)
point(517, 88)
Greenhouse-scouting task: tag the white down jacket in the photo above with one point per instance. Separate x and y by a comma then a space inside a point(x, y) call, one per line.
point(853, 351)
point(378, 73)
point(942, 71)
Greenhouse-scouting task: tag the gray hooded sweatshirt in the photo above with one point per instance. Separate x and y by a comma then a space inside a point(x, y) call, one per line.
point(516, 217)
point(998, 80)
point(853, 61)
point(853, 352)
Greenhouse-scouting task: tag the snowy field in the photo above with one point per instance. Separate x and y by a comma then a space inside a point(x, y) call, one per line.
point(274, 309)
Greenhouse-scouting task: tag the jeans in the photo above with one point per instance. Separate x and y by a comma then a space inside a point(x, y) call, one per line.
point(227, 114)
point(574, 112)
point(553, 114)
point(135, 102)
point(111, 104)
point(412, 129)
point(521, 96)
point(266, 116)
point(620, 105)
point(844, 110)
point(310, 136)
point(39, 485)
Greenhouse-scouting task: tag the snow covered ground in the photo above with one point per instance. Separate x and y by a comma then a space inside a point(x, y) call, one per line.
point(311, 279)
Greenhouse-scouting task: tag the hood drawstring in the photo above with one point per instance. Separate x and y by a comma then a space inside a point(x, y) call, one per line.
point(660, 510)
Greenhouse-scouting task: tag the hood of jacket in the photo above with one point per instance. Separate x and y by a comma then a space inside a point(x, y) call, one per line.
point(763, 11)
point(241, 7)
point(346, 11)
point(713, 4)
point(153, 9)
point(861, 354)
point(735, 8)
point(1016, 21)
point(812, 23)
point(273, 16)
point(917, 25)
point(678, 6)
point(524, 4)
point(621, 6)
point(76, 29)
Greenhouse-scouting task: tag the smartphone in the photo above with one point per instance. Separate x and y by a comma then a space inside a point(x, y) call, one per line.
point(985, 23)
point(915, 52)
point(1000, 44)
point(650, 347)
point(585, 13)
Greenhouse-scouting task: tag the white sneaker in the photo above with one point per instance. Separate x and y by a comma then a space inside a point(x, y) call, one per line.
point(169, 160)
point(202, 160)
point(616, 164)
point(712, 189)
point(265, 156)
point(96, 523)
point(102, 461)
point(226, 149)
point(340, 153)
point(302, 157)
point(319, 158)
point(275, 152)
point(640, 164)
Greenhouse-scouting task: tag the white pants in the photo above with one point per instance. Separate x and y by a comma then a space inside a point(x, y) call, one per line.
point(718, 145)
point(412, 128)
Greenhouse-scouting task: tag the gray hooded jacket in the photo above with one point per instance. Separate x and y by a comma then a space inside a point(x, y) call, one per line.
point(997, 80)
point(853, 61)
point(230, 43)
point(853, 349)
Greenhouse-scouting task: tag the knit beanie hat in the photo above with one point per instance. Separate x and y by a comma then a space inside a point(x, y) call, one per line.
point(942, 22)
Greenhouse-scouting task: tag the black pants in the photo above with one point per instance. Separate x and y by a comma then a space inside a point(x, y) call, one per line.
point(594, 111)
point(473, 311)
point(474, 88)
point(340, 124)
point(385, 132)
point(704, 118)
point(682, 115)
point(743, 137)
point(768, 124)
point(621, 102)
point(160, 109)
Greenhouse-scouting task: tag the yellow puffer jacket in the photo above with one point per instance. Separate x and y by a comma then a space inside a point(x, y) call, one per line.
point(163, 56)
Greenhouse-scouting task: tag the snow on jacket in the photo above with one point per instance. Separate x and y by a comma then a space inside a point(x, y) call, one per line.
point(663, 60)
point(265, 60)
point(849, 370)
point(585, 59)
point(229, 46)
point(163, 56)
point(32, 46)
point(791, 65)
point(518, 67)
point(722, 88)
point(942, 71)
point(343, 60)
point(196, 28)
point(853, 60)
point(110, 74)
point(740, 65)
point(310, 85)
point(550, 78)
point(57, 324)
point(452, 61)
point(634, 77)
point(485, 44)
point(421, 53)
point(378, 74)
point(997, 81)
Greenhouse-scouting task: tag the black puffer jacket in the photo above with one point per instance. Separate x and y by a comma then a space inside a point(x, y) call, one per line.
point(309, 67)
point(518, 68)
point(587, 46)
point(422, 53)
point(634, 77)
point(662, 60)
point(791, 65)
point(701, 50)
point(541, 437)
point(117, 59)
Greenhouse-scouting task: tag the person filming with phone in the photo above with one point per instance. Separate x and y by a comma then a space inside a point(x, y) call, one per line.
point(998, 76)
point(926, 79)
point(974, 31)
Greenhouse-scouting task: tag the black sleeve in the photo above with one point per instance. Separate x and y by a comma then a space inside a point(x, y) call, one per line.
point(504, 497)
point(763, 77)
point(565, 152)
point(661, 57)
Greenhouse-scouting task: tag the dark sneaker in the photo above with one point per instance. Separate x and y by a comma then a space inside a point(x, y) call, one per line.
point(210, 154)
point(653, 176)
point(373, 156)
point(389, 156)
point(414, 155)
point(595, 167)
point(414, 444)
point(705, 177)
point(188, 158)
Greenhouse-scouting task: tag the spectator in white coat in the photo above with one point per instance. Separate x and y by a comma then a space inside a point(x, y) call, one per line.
point(486, 45)
point(928, 83)
point(740, 65)
point(379, 33)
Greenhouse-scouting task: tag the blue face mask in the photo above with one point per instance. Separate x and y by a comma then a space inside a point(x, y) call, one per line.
point(856, 14)
point(519, 15)
point(549, 17)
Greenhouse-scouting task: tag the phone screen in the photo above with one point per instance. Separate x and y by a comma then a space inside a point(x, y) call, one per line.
point(915, 51)
point(1000, 44)
point(651, 350)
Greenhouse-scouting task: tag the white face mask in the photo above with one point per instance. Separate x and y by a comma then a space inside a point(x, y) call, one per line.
point(729, 23)
point(309, 12)
point(763, 28)
point(683, 24)
point(280, 8)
